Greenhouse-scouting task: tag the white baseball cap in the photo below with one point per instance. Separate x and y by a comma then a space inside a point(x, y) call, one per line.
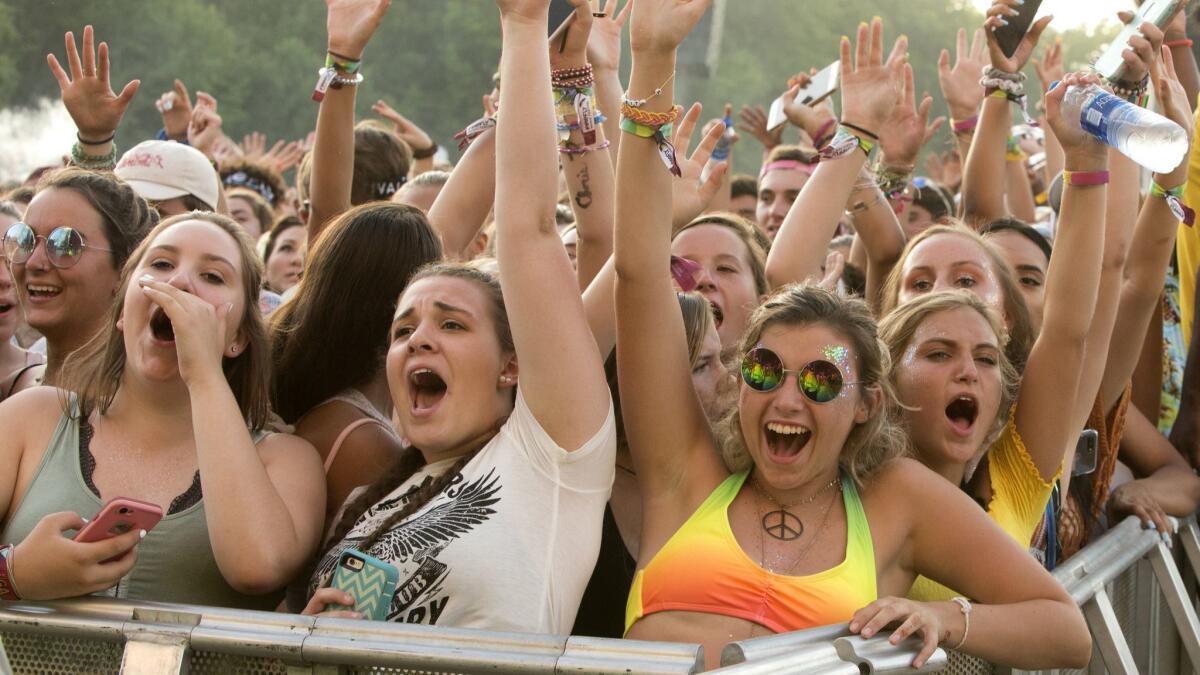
point(161, 170)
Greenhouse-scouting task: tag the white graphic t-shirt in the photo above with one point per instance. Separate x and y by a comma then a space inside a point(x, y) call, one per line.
point(509, 545)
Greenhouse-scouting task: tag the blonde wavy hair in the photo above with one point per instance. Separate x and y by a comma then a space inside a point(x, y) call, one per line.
point(871, 444)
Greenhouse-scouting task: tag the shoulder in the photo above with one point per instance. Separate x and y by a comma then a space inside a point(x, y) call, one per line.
point(321, 425)
point(906, 488)
point(35, 405)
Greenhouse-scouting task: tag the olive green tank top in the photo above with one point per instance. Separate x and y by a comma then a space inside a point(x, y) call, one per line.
point(175, 561)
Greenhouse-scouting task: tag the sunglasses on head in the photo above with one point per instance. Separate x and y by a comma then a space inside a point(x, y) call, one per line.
point(64, 245)
point(820, 380)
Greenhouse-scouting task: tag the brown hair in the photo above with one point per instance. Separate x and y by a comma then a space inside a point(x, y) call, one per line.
point(792, 153)
point(743, 185)
point(126, 216)
point(900, 325)
point(870, 444)
point(352, 279)
point(262, 210)
point(381, 163)
point(1016, 313)
point(258, 177)
point(755, 241)
point(281, 225)
point(412, 460)
point(95, 370)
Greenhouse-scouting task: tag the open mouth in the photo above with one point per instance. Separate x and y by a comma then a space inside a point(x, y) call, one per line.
point(718, 315)
point(40, 292)
point(160, 326)
point(962, 413)
point(428, 389)
point(6, 307)
point(785, 441)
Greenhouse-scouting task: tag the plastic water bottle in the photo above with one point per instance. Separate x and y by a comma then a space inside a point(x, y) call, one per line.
point(1142, 135)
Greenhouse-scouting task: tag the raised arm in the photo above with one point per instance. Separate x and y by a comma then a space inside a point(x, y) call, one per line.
point(1071, 291)
point(422, 145)
point(463, 204)
point(961, 89)
point(870, 91)
point(534, 270)
point(587, 168)
point(604, 53)
point(89, 99)
point(984, 173)
point(665, 424)
point(350, 25)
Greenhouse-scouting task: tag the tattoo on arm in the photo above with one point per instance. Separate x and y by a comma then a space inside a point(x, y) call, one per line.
point(583, 198)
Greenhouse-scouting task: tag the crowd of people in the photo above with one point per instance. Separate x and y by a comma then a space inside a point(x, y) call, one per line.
point(588, 381)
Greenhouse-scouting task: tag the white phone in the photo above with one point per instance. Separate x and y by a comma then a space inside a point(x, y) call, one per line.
point(1110, 65)
point(822, 85)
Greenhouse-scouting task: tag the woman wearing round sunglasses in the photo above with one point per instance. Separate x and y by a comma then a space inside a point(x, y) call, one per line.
point(799, 515)
point(67, 254)
point(164, 406)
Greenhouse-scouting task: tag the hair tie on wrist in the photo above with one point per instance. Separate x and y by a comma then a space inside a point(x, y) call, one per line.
point(81, 139)
point(1171, 44)
point(874, 136)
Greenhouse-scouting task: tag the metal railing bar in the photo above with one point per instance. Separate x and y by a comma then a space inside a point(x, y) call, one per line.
point(592, 655)
point(1171, 585)
point(1106, 632)
point(772, 645)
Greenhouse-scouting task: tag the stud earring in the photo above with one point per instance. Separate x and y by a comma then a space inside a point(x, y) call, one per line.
point(233, 349)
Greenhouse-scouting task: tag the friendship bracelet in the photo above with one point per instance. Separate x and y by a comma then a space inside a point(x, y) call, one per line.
point(658, 134)
point(568, 149)
point(341, 63)
point(964, 126)
point(575, 126)
point(8, 589)
point(1085, 178)
point(84, 141)
point(1174, 198)
point(845, 142)
point(650, 119)
point(1172, 44)
point(93, 162)
point(825, 133)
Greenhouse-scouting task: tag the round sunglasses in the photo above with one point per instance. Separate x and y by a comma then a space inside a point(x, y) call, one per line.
point(64, 245)
point(821, 381)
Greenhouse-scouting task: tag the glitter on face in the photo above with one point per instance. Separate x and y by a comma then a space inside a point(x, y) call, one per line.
point(839, 355)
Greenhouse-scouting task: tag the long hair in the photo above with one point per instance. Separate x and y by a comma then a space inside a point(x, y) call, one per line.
point(871, 444)
point(1016, 313)
point(411, 460)
point(347, 295)
point(900, 325)
point(95, 370)
point(126, 216)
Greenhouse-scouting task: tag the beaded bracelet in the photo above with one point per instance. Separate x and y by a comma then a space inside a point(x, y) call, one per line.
point(1174, 197)
point(992, 73)
point(657, 133)
point(329, 77)
point(8, 589)
point(1134, 92)
point(570, 149)
point(93, 162)
point(641, 102)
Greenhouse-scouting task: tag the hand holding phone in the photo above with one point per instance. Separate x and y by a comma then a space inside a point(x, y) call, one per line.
point(1111, 64)
point(118, 516)
point(820, 87)
point(1012, 33)
point(1009, 36)
point(369, 581)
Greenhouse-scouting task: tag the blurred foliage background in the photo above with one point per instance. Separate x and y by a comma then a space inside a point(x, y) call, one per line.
point(432, 59)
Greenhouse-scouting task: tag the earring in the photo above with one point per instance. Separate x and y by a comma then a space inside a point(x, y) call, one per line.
point(504, 379)
point(233, 349)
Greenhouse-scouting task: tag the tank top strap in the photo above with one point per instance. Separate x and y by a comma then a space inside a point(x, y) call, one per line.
point(859, 547)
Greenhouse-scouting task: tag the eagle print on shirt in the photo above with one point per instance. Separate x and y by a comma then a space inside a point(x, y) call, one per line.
point(414, 545)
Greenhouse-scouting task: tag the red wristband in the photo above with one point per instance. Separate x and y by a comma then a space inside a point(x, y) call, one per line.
point(1085, 178)
point(963, 126)
point(8, 590)
point(1178, 43)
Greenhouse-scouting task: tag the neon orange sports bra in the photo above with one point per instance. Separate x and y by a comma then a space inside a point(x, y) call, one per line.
point(703, 569)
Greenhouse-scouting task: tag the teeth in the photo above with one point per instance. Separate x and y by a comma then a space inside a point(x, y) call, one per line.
point(785, 429)
point(42, 289)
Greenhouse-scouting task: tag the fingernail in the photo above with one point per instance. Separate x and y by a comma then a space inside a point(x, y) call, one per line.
point(1020, 2)
point(146, 278)
point(84, 519)
point(853, 626)
point(1003, 21)
point(1166, 538)
point(141, 534)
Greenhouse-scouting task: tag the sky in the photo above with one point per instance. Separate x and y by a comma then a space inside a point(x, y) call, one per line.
point(1075, 13)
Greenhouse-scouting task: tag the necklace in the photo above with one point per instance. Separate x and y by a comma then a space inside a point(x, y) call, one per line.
point(781, 523)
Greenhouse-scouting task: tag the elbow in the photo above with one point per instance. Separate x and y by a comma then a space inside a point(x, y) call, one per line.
point(259, 574)
point(1079, 653)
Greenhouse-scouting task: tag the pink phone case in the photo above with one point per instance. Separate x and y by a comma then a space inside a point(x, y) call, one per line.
point(118, 516)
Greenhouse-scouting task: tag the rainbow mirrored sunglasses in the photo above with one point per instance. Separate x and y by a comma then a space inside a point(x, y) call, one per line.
point(820, 380)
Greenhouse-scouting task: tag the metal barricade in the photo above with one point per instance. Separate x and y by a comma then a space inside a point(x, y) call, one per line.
point(134, 638)
point(829, 650)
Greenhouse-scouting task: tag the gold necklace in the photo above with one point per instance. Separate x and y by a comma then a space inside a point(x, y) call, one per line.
point(781, 523)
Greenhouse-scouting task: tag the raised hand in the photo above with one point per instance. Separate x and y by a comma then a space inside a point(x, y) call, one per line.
point(810, 119)
point(1050, 68)
point(754, 122)
point(176, 109)
point(604, 45)
point(254, 145)
point(995, 19)
point(690, 195)
point(283, 155)
point(960, 84)
point(569, 42)
point(660, 26)
point(86, 92)
point(1174, 101)
point(413, 135)
point(204, 131)
point(870, 89)
point(1070, 136)
point(908, 129)
point(1143, 48)
point(351, 23)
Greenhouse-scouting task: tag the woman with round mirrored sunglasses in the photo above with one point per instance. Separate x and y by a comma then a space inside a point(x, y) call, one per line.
point(821, 381)
point(64, 245)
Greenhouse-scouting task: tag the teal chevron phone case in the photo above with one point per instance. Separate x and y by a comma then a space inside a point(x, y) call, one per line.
point(370, 581)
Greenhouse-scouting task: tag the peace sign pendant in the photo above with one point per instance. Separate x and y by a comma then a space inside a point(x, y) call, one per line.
point(783, 525)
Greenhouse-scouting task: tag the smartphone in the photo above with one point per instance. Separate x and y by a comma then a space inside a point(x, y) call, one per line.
point(560, 10)
point(370, 581)
point(1158, 12)
point(118, 516)
point(1086, 450)
point(1009, 37)
point(821, 87)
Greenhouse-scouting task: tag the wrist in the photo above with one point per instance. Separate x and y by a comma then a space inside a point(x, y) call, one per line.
point(564, 61)
point(1086, 160)
point(346, 51)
